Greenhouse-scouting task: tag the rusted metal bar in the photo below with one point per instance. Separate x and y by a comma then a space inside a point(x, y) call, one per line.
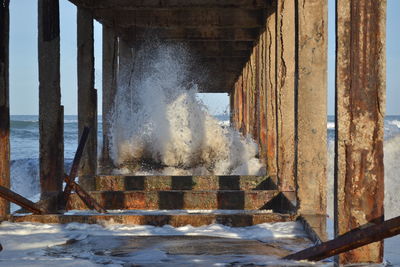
point(90, 202)
point(4, 103)
point(360, 111)
point(9, 195)
point(87, 97)
point(311, 112)
point(354, 239)
point(69, 179)
point(75, 165)
point(50, 121)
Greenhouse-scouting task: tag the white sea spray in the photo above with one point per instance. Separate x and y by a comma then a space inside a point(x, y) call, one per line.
point(158, 118)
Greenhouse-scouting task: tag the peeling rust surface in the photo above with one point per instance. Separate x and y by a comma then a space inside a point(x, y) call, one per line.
point(360, 109)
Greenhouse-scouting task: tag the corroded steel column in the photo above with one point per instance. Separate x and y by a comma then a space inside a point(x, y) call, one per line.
point(4, 103)
point(50, 110)
point(360, 110)
point(110, 67)
point(285, 74)
point(87, 97)
point(312, 43)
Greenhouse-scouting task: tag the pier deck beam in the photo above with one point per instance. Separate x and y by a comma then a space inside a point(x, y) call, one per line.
point(110, 67)
point(360, 109)
point(50, 109)
point(4, 103)
point(87, 97)
point(311, 105)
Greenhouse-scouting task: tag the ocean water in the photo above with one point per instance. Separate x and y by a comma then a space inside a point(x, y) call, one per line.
point(25, 169)
point(25, 151)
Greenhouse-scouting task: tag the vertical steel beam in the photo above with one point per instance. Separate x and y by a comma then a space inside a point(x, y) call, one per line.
point(285, 93)
point(50, 110)
point(360, 110)
point(4, 103)
point(110, 67)
point(311, 113)
point(87, 97)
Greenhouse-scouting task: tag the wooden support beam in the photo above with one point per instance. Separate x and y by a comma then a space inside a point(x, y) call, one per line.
point(110, 68)
point(285, 93)
point(176, 18)
point(146, 4)
point(87, 97)
point(312, 44)
point(4, 103)
point(185, 34)
point(360, 111)
point(351, 240)
point(50, 110)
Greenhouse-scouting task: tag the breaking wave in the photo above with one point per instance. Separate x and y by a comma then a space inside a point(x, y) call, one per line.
point(159, 126)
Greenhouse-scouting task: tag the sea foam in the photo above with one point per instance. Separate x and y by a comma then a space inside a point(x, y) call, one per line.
point(158, 118)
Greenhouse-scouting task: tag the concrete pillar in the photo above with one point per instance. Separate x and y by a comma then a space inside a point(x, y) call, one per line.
point(312, 42)
point(239, 104)
point(269, 83)
point(4, 103)
point(87, 97)
point(360, 110)
point(110, 68)
point(50, 110)
point(285, 93)
point(125, 63)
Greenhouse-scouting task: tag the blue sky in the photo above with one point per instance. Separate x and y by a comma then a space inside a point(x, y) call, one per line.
point(24, 68)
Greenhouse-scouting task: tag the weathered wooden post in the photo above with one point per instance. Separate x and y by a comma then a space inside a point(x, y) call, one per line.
point(50, 110)
point(285, 93)
point(110, 67)
point(311, 106)
point(4, 103)
point(87, 97)
point(360, 110)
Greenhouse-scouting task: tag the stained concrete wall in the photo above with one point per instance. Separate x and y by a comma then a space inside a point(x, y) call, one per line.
point(280, 99)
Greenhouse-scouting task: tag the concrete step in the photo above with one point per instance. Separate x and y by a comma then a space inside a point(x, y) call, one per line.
point(234, 219)
point(179, 199)
point(157, 183)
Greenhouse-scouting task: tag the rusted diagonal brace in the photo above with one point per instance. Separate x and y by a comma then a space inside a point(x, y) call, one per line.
point(19, 200)
point(69, 179)
point(90, 202)
point(356, 238)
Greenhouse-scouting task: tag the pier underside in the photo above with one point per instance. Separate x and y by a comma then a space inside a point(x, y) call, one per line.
point(270, 56)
